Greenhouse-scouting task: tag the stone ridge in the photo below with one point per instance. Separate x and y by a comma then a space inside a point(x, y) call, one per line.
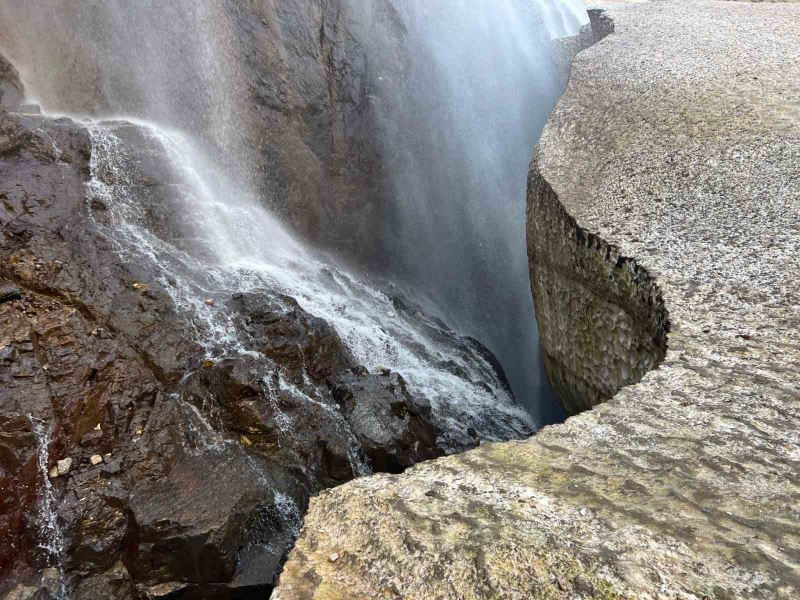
point(678, 142)
point(614, 328)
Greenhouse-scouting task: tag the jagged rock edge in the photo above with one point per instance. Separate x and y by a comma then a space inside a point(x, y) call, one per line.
point(644, 310)
point(540, 190)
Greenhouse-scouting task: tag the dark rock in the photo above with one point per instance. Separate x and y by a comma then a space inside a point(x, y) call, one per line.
point(10, 85)
point(394, 430)
point(281, 330)
point(184, 507)
point(8, 292)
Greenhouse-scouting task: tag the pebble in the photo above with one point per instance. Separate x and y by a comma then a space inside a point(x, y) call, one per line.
point(96, 459)
point(333, 557)
point(64, 465)
point(53, 472)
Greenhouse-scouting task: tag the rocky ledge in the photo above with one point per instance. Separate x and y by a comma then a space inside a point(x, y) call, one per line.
point(668, 177)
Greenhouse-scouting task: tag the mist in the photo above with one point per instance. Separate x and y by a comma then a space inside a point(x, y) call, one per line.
point(460, 134)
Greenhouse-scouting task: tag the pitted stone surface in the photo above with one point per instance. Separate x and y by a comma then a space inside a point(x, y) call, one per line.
point(678, 143)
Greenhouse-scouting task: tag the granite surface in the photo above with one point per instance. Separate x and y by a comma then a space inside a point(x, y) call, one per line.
point(677, 145)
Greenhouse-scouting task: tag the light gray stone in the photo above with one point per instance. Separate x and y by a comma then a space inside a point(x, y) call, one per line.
point(64, 465)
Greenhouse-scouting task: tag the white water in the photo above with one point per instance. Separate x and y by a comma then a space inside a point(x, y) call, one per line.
point(237, 245)
point(52, 540)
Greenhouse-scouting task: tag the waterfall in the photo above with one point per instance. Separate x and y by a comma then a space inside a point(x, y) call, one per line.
point(460, 132)
point(226, 242)
point(52, 540)
point(162, 85)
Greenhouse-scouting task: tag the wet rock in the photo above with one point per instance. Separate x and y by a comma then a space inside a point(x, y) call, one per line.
point(114, 583)
point(193, 536)
point(306, 73)
point(108, 362)
point(281, 330)
point(393, 429)
point(299, 427)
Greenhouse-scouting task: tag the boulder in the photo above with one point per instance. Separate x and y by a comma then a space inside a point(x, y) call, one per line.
point(394, 430)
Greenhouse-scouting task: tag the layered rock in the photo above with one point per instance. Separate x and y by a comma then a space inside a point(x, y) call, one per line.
point(602, 321)
point(665, 185)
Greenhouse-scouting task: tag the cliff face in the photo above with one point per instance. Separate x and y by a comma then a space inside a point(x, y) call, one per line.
point(603, 324)
point(602, 321)
point(663, 191)
point(134, 464)
point(313, 67)
point(297, 76)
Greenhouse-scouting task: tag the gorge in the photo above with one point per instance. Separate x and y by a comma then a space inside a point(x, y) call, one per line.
point(250, 251)
point(663, 226)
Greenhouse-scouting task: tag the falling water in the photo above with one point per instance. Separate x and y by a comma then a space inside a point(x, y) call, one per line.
point(481, 83)
point(237, 245)
point(51, 535)
point(167, 78)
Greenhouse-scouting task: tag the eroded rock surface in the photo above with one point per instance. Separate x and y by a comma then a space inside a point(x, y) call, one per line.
point(668, 172)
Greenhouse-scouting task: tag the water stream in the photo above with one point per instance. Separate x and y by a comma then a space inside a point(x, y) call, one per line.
point(225, 242)
point(52, 541)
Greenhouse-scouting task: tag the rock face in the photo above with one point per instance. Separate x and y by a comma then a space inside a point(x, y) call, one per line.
point(300, 75)
point(663, 192)
point(132, 464)
point(603, 323)
point(314, 65)
point(10, 86)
